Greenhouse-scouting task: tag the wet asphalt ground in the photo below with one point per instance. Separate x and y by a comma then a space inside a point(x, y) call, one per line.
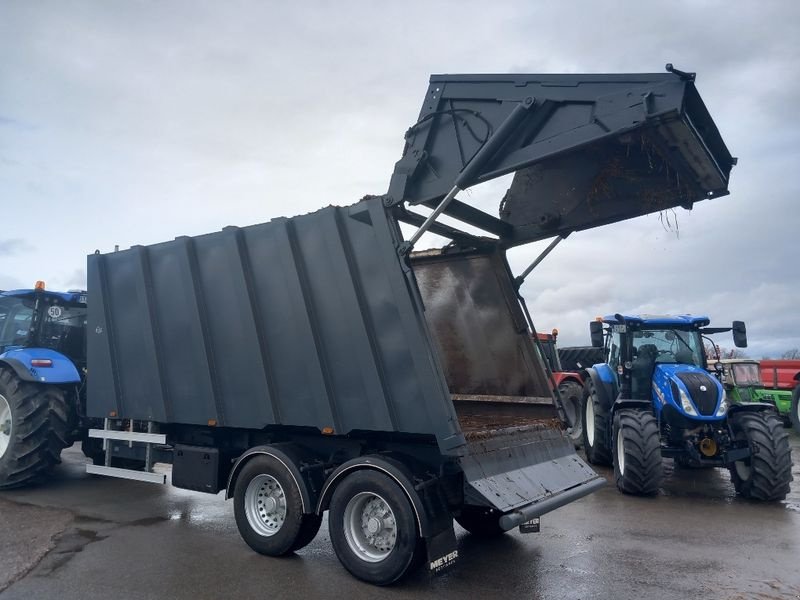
point(85, 537)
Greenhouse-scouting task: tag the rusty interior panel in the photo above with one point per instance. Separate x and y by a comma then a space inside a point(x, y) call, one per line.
point(480, 417)
point(492, 368)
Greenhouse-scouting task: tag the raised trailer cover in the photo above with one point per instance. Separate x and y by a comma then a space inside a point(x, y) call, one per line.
point(586, 150)
point(311, 321)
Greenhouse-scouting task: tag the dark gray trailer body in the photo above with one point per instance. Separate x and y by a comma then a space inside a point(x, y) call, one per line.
point(318, 322)
point(309, 321)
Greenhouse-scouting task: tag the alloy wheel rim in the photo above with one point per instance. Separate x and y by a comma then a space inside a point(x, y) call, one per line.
point(370, 527)
point(620, 453)
point(590, 421)
point(265, 505)
point(6, 423)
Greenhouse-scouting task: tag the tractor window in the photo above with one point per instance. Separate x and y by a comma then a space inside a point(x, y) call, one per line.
point(746, 374)
point(614, 350)
point(15, 320)
point(64, 330)
point(669, 346)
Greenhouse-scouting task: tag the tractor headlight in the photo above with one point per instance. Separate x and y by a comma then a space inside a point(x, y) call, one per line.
point(723, 406)
point(686, 404)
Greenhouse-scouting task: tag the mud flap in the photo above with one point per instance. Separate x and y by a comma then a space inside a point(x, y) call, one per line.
point(442, 551)
point(525, 472)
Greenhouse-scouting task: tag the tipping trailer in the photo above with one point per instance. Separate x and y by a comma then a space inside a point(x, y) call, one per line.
point(317, 364)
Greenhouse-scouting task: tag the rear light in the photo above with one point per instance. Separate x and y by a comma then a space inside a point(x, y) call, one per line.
point(41, 362)
point(40, 285)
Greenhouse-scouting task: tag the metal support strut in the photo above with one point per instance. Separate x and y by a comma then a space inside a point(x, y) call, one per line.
point(519, 280)
point(472, 169)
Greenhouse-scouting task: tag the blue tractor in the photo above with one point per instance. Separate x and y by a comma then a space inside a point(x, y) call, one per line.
point(654, 398)
point(42, 374)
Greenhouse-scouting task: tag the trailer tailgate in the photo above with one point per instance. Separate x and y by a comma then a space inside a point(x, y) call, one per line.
point(515, 468)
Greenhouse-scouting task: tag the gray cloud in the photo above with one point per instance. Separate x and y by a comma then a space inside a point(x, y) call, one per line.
point(144, 121)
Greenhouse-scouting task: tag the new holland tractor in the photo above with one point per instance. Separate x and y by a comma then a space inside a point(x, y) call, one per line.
point(653, 398)
point(42, 370)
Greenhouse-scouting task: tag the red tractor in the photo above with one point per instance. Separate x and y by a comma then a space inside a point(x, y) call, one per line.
point(567, 365)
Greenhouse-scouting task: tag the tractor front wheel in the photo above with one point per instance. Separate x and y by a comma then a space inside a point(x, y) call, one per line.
point(595, 421)
point(637, 452)
point(766, 474)
point(34, 429)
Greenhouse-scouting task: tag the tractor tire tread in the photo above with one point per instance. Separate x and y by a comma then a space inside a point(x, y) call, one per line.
point(771, 464)
point(598, 453)
point(41, 430)
point(642, 448)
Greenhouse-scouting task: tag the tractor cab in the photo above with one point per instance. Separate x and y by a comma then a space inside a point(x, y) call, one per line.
point(43, 332)
point(661, 358)
point(741, 378)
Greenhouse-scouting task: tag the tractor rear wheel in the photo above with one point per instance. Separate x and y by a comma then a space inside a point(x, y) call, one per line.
point(766, 474)
point(637, 452)
point(34, 429)
point(794, 414)
point(571, 393)
point(595, 421)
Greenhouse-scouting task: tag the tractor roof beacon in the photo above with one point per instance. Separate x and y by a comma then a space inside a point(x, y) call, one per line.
point(653, 397)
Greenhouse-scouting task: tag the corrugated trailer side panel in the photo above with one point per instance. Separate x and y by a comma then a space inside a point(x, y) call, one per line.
point(309, 321)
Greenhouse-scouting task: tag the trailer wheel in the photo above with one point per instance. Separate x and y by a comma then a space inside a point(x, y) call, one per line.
point(637, 453)
point(571, 393)
point(480, 521)
point(766, 474)
point(794, 414)
point(373, 528)
point(34, 429)
point(595, 427)
point(269, 508)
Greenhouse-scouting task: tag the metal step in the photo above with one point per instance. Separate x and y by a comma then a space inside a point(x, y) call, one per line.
point(126, 474)
point(129, 436)
point(149, 438)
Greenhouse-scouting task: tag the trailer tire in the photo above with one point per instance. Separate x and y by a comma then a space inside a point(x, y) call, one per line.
point(571, 393)
point(767, 473)
point(794, 415)
point(269, 508)
point(595, 420)
point(480, 521)
point(638, 467)
point(373, 528)
point(35, 428)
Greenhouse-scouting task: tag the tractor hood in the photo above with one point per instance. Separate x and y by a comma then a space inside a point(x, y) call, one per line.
point(693, 391)
point(585, 150)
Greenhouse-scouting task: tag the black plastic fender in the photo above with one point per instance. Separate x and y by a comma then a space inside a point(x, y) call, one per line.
point(605, 391)
point(21, 370)
point(750, 407)
point(287, 454)
point(389, 466)
point(621, 403)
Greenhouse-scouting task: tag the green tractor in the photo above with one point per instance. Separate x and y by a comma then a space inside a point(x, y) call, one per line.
point(741, 378)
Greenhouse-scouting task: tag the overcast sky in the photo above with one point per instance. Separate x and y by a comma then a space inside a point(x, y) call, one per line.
point(134, 122)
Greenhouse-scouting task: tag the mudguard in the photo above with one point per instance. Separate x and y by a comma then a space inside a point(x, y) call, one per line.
point(288, 455)
point(62, 369)
point(387, 465)
point(751, 407)
point(604, 384)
